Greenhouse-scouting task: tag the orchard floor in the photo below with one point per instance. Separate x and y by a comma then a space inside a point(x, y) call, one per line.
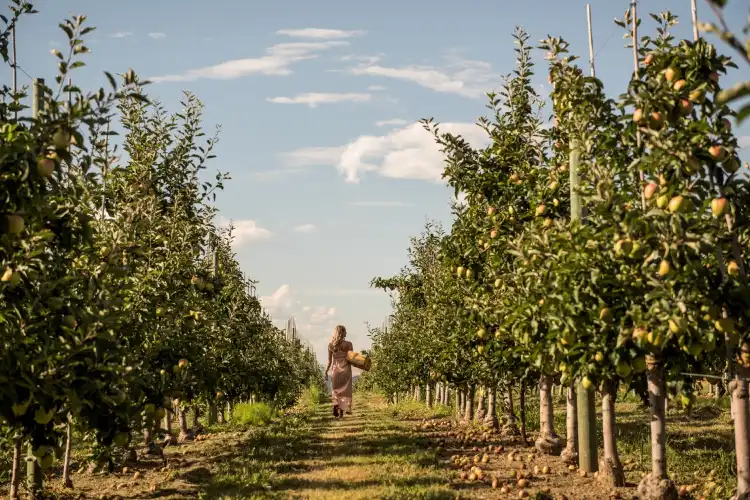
point(382, 452)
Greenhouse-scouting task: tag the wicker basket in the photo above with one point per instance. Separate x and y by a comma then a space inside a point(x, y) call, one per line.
point(358, 360)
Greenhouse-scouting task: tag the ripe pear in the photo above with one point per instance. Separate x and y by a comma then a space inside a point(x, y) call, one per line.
point(650, 190)
point(664, 268)
point(678, 204)
point(540, 210)
point(719, 206)
point(662, 201)
point(733, 268)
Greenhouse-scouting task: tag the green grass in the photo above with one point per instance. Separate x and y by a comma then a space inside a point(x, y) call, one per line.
point(254, 414)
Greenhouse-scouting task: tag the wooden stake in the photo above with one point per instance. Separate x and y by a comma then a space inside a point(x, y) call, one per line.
point(15, 64)
point(38, 97)
point(694, 11)
point(591, 41)
point(636, 65)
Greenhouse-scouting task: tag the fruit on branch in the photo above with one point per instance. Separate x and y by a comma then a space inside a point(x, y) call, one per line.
point(605, 315)
point(61, 139)
point(650, 189)
point(676, 325)
point(714, 77)
point(648, 59)
point(15, 223)
point(697, 96)
point(724, 325)
point(540, 210)
point(45, 167)
point(671, 74)
point(685, 107)
point(664, 268)
point(493, 234)
point(183, 363)
point(623, 369)
point(678, 204)
point(717, 152)
point(719, 206)
point(623, 247)
point(491, 211)
point(638, 115)
point(656, 120)
point(679, 84)
point(662, 201)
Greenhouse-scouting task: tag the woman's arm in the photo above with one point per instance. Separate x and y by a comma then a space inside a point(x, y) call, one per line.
point(328, 366)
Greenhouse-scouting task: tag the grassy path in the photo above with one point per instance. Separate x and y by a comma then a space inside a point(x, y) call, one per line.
point(365, 455)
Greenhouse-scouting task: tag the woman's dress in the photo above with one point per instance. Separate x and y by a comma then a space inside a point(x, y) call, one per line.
point(341, 378)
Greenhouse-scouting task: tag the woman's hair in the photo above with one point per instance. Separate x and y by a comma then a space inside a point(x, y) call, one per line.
point(339, 334)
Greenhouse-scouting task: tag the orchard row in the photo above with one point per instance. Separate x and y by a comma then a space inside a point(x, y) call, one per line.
point(120, 299)
point(607, 250)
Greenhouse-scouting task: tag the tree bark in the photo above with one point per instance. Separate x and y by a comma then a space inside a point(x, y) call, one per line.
point(490, 419)
point(657, 485)
point(741, 404)
point(428, 394)
point(15, 479)
point(67, 482)
point(481, 411)
point(510, 426)
point(185, 434)
point(548, 442)
point(469, 405)
point(418, 393)
point(610, 468)
point(570, 453)
point(460, 400)
point(522, 411)
point(446, 395)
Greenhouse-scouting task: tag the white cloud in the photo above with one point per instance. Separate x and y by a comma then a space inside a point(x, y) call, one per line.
point(465, 77)
point(313, 322)
point(121, 34)
point(392, 122)
point(380, 204)
point(245, 231)
point(157, 35)
point(342, 291)
point(406, 153)
point(305, 228)
point(276, 62)
point(320, 33)
point(313, 99)
point(376, 88)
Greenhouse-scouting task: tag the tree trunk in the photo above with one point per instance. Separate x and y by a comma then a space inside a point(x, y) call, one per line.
point(460, 402)
point(67, 482)
point(197, 427)
point(481, 411)
point(185, 434)
point(418, 393)
point(212, 414)
point(548, 442)
point(168, 425)
point(570, 453)
point(490, 419)
point(428, 394)
point(522, 411)
point(15, 478)
point(510, 427)
point(657, 485)
point(469, 405)
point(739, 390)
point(220, 417)
point(610, 468)
point(446, 395)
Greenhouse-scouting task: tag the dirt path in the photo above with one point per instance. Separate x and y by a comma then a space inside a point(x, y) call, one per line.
point(366, 455)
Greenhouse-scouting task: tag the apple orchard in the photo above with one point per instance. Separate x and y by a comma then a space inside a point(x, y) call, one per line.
point(605, 254)
point(121, 302)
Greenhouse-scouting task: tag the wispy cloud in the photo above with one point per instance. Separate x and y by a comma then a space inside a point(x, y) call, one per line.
point(392, 122)
point(121, 34)
point(376, 88)
point(380, 204)
point(157, 35)
point(314, 99)
point(320, 33)
point(305, 228)
point(277, 62)
point(464, 77)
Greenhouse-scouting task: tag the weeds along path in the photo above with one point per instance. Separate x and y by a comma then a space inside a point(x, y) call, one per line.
point(308, 455)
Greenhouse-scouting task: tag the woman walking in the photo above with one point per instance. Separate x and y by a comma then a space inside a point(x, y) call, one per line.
point(341, 379)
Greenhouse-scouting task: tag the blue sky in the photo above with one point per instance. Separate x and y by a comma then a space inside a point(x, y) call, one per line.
point(317, 103)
